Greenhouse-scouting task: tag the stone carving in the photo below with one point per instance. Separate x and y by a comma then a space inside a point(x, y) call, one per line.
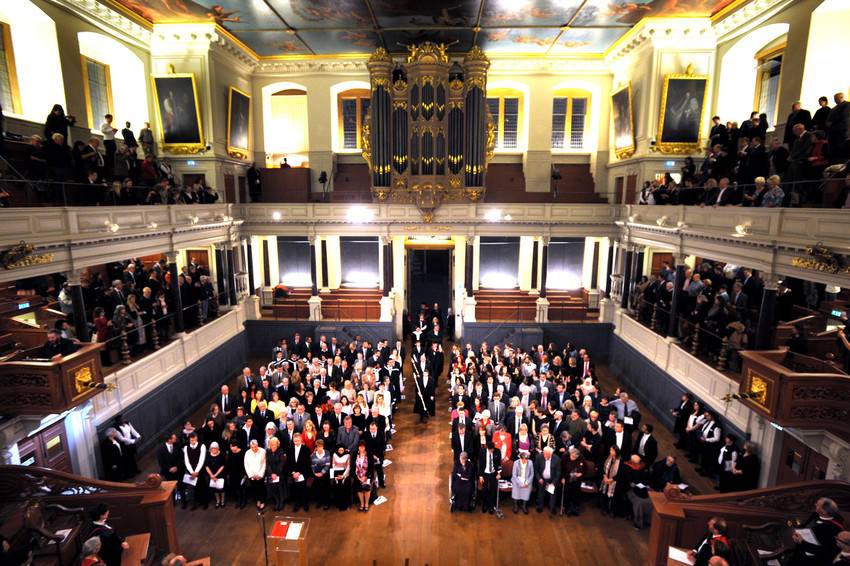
point(25, 380)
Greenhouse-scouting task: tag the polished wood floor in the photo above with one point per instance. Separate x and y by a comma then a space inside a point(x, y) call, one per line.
point(415, 525)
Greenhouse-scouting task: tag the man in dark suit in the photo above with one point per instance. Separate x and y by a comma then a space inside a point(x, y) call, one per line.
point(718, 131)
point(489, 470)
point(646, 446)
point(376, 445)
point(498, 411)
point(249, 432)
point(514, 419)
point(723, 195)
point(463, 440)
point(821, 114)
point(113, 545)
point(262, 416)
point(758, 164)
point(226, 402)
point(798, 115)
point(588, 368)
point(838, 123)
point(618, 437)
point(246, 380)
point(298, 346)
point(547, 475)
point(298, 469)
point(740, 300)
point(169, 456)
point(714, 543)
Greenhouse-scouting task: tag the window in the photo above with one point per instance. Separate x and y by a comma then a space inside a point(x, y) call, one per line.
point(506, 108)
point(768, 77)
point(569, 115)
point(98, 90)
point(9, 96)
point(352, 105)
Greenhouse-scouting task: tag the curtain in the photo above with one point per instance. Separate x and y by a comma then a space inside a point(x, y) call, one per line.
point(498, 263)
point(565, 261)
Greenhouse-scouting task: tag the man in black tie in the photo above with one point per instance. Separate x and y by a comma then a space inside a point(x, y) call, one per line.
point(376, 445)
point(299, 469)
point(226, 403)
point(462, 441)
point(246, 380)
point(262, 416)
point(489, 469)
point(425, 405)
point(646, 446)
point(170, 460)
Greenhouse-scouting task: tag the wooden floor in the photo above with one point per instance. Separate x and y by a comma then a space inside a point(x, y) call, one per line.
point(415, 523)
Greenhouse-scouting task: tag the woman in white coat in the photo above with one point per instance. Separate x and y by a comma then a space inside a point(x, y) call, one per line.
point(522, 478)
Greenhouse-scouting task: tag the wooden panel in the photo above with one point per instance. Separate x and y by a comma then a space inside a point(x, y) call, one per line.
point(658, 259)
point(798, 462)
point(286, 185)
point(618, 190)
point(229, 189)
point(631, 189)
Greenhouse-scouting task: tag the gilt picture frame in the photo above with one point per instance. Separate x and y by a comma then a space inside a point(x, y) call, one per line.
point(682, 117)
point(238, 123)
point(622, 118)
point(178, 113)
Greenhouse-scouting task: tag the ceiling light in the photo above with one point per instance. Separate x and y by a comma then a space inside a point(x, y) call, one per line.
point(276, 215)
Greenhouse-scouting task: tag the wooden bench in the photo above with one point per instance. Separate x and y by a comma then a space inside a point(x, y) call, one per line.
point(137, 554)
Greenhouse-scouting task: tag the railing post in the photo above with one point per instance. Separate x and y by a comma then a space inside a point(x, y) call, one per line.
point(695, 341)
point(721, 359)
point(125, 349)
point(154, 336)
point(653, 323)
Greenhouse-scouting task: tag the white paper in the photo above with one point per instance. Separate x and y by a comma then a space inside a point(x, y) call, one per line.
point(380, 499)
point(678, 555)
point(808, 536)
point(294, 531)
point(629, 420)
point(683, 486)
point(640, 486)
point(272, 480)
point(217, 483)
point(188, 479)
point(389, 447)
point(765, 552)
point(585, 485)
point(386, 462)
point(300, 479)
point(336, 472)
point(550, 488)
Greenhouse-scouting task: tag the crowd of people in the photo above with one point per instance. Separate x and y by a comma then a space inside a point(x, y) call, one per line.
point(541, 421)
point(742, 167)
point(723, 299)
point(132, 297)
point(310, 427)
point(119, 169)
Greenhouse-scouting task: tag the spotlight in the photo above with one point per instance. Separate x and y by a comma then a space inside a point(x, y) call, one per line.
point(493, 215)
point(276, 215)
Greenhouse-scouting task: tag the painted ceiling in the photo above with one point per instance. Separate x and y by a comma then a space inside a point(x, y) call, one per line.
point(327, 27)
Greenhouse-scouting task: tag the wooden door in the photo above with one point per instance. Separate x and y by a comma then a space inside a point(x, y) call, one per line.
point(47, 448)
point(199, 258)
point(798, 462)
point(658, 259)
point(631, 189)
point(618, 190)
point(229, 189)
point(243, 188)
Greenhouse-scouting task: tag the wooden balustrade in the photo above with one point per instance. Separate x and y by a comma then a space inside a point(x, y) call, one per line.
point(797, 391)
point(680, 521)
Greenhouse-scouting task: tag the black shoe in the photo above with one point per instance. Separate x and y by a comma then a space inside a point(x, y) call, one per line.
point(295, 508)
point(184, 504)
point(307, 508)
point(516, 509)
point(525, 509)
point(483, 510)
point(194, 507)
point(491, 511)
point(540, 509)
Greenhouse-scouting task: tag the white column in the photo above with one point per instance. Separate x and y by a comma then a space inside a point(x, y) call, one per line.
point(82, 440)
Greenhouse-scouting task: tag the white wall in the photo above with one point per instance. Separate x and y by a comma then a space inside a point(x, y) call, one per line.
point(829, 39)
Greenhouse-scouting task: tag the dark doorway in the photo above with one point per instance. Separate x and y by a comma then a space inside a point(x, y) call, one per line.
point(429, 275)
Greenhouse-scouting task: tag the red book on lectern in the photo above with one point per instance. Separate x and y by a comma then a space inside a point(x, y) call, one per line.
point(280, 528)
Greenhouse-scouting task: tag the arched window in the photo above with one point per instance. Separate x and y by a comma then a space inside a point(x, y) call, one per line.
point(114, 82)
point(30, 52)
point(285, 123)
point(768, 77)
point(570, 110)
point(352, 106)
point(506, 107)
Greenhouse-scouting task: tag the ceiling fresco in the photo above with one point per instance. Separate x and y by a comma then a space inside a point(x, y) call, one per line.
point(329, 27)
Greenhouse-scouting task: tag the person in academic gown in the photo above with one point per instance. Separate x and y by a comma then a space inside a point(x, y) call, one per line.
point(462, 483)
point(424, 401)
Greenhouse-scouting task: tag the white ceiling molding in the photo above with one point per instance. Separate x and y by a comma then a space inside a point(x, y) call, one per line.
point(108, 19)
point(748, 17)
point(695, 33)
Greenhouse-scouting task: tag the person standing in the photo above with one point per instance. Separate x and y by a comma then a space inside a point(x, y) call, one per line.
point(489, 468)
point(113, 545)
point(146, 140)
point(255, 469)
point(298, 469)
point(109, 131)
point(194, 456)
point(170, 462)
point(838, 123)
point(522, 479)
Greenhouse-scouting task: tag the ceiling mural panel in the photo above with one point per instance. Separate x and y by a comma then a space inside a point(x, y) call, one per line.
point(328, 42)
point(328, 27)
point(411, 14)
point(525, 40)
point(269, 43)
point(586, 40)
point(510, 13)
point(323, 14)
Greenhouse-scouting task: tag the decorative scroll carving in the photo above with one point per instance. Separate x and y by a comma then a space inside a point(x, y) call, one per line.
point(820, 413)
point(817, 393)
point(26, 380)
point(20, 483)
point(21, 255)
point(821, 259)
point(794, 502)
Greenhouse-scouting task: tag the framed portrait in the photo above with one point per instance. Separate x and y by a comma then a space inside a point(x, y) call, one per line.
point(238, 123)
point(624, 125)
point(682, 103)
point(178, 113)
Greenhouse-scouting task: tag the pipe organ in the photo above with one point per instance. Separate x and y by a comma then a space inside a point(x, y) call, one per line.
point(428, 136)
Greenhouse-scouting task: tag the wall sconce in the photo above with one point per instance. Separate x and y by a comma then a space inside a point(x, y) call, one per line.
point(276, 215)
point(661, 221)
point(742, 230)
point(111, 226)
point(193, 219)
point(153, 225)
point(681, 224)
point(633, 218)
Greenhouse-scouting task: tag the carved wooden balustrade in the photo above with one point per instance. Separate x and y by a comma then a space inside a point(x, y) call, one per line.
point(797, 391)
point(32, 387)
point(134, 508)
point(680, 521)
